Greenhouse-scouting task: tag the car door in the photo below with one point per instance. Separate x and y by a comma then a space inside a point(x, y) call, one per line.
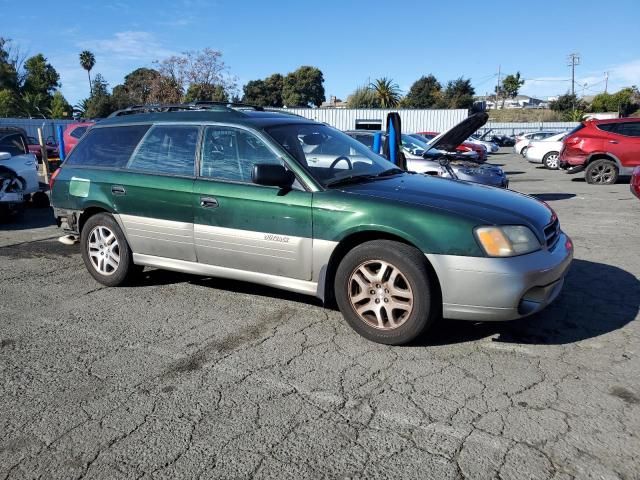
point(21, 162)
point(629, 146)
point(244, 226)
point(153, 194)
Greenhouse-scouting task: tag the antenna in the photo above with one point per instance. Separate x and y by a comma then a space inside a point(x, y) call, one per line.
point(572, 60)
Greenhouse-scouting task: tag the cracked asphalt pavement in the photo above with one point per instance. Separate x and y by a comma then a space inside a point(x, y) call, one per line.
point(188, 377)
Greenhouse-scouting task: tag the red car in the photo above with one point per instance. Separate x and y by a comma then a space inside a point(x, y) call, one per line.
point(73, 133)
point(604, 149)
point(463, 147)
point(34, 147)
point(635, 182)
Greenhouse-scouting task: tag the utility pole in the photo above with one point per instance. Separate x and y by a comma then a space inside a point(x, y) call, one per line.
point(606, 81)
point(498, 87)
point(572, 61)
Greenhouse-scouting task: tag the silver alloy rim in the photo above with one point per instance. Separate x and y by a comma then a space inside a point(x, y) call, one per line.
point(602, 174)
point(104, 251)
point(552, 161)
point(380, 294)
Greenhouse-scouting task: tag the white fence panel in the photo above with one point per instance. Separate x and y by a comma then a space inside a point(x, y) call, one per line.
point(31, 126)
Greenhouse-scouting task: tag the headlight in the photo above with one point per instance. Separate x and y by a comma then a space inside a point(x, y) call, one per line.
point(507, 241)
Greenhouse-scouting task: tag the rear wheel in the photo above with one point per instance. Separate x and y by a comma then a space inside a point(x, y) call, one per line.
point(550, 160)
point(384, 291)
point(601, 172)
point(105, 250)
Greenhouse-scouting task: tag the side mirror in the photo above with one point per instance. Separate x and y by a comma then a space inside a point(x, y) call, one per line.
point(272, 175)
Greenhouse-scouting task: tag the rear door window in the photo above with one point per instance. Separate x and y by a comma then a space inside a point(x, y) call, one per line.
point(609, 127)
point(168, 149)
point(631, 129)
point(107, 147)
point(13, 145)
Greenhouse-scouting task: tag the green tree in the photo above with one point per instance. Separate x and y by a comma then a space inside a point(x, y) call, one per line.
point(457, 94)
point(136, 89)
point(303, 87)
point(567, 103)
point(8, 106)
point(625, 101)
point(424, 93)
point(8, 72)
point(363, 97)
point(266, 93)
point(100, 104)
point(510, 87)
point(41, 80)
point(386, 92)
point(60, 108)
point(88, 61)
point(204, 92)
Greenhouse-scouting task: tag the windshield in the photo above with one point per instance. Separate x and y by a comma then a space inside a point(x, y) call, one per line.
point(413, 145)
point(328, 154)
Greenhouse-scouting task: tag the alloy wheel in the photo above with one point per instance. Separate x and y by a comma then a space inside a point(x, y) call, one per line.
point(380, 294)
point(104, 250)
point(552, 161)
point(602, 174)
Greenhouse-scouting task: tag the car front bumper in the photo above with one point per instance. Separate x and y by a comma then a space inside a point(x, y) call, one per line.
point(497, 289)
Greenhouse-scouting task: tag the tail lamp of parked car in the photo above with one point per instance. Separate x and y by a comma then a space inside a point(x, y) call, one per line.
point(52, 178)
point(635, 182)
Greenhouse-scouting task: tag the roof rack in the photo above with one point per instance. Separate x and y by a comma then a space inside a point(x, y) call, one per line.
point(176, 107)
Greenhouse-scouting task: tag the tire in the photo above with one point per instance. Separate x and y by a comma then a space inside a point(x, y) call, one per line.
point(550, 160)
point(110, 261)
point(601, 172)
point(523, 152)
point(405, 280)
point(40, 200)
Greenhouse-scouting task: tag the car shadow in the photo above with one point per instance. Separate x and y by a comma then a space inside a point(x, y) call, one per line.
point(30, 217)
point(596, 299)
point(550, 197)
point(514, 172)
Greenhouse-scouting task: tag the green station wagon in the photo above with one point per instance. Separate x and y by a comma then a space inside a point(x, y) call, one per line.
point(232, 192)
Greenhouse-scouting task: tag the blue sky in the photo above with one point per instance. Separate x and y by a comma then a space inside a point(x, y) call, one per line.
point(350, 41)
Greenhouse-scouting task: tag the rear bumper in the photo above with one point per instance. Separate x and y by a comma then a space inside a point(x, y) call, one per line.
point(497, 289)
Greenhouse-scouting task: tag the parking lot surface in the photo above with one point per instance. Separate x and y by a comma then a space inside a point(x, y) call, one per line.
point(183, 377)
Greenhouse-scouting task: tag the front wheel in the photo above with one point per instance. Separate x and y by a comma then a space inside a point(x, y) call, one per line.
point(384, 291)
point(550, 160)
point(601, 172)
point(105, 250)
point(523, 152)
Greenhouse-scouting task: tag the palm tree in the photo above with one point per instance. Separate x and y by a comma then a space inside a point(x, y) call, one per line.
point(87, 61)
point(387, 92)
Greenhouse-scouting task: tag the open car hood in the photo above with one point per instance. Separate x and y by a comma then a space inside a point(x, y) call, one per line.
point(457, 134)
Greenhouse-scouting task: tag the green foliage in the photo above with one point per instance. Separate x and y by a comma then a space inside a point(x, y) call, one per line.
point(100, 104)
point(41, 79)
point(457, 94)
point(266, 93)
point(8, 73)
point(567, 103)
point(625, 101)
point(60, 108)
point(204, 92)
point(303, 88)
point(424, 93)
point(363, 97)
point(510, 86)
point(8, 106)
point(387, 92)
point(87, 61)
point(138, 85)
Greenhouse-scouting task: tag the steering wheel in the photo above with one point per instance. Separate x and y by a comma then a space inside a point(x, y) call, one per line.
point(337, 160)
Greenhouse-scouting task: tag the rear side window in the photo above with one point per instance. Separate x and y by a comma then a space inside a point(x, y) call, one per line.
point(631, 129)
point(78, 132)
point(575, 130)
point(609, 127)
point(107, 147)
point(13, 145)
point(168, 149)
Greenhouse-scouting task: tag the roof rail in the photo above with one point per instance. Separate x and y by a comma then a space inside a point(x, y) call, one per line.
point(176, 107)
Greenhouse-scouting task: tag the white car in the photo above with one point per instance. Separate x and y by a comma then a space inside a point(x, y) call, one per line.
point(18, 169)
point(522, 141)
point(491, 147)
point(546, 151)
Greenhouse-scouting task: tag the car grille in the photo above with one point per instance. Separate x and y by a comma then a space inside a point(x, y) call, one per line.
point(552, 233)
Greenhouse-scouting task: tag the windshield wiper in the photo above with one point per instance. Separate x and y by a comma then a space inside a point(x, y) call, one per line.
point(390, 171)
point(350, 179)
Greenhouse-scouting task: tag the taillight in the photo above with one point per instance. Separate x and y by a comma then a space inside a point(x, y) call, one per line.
point(52, 178)
point(572, 140)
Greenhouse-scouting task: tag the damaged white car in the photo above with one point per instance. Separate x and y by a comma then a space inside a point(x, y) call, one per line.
point(18, 170)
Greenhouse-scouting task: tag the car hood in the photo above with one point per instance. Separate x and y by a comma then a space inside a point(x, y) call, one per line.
point(457, 134)
point(486, 205)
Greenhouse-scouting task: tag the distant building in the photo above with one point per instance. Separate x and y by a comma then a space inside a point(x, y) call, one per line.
point(520, 101)
point(334, 102)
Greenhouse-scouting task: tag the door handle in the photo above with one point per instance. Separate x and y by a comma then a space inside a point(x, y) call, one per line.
point(208, 202)
point(118, 190)
point(613, 141)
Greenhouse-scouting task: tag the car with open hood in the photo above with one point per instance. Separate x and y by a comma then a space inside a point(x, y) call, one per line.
point(226, 192)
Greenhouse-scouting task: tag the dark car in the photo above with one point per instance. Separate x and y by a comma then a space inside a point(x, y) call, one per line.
point(603, 149)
